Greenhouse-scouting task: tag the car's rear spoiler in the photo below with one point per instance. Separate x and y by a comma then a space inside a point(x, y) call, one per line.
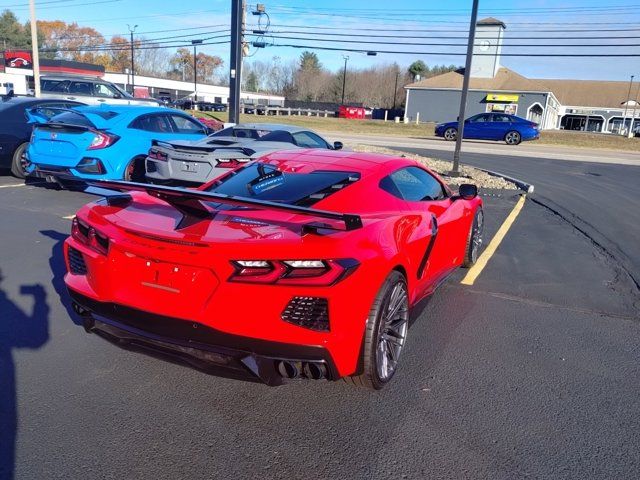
point(188, 202)
point(202, 148)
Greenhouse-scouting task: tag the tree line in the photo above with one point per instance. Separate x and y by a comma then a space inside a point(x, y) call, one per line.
point(302, 79)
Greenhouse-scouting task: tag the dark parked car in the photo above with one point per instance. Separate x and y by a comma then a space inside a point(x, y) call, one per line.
point(15, 131)
point(492, 126)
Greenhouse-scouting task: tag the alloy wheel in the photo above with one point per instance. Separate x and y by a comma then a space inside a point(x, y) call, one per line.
point(392, 331)
point(450, 134)
point(476, 238)
point(513, 138)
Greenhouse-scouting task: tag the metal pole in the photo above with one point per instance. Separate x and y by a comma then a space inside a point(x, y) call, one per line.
point(344, 76)
point(35, 58)
point(626, 104)
point(395, 91)
point(133, 80)
point(633, 115)
point(465, 88)
point(235, 60)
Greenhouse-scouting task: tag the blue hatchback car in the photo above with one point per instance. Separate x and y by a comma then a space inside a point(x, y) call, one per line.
point(492, 126)
point(103, 142)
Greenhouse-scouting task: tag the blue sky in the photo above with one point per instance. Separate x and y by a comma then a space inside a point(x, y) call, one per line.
point(617, 19)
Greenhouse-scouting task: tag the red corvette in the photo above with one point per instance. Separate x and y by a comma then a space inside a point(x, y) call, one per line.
point(261, 271)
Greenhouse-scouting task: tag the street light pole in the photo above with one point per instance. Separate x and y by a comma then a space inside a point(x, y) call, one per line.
point(133, 81)
point(195, 70)
point(35, 58)
point(626, 104)
point(235, 59)
point(344, 76)
point(465, 88)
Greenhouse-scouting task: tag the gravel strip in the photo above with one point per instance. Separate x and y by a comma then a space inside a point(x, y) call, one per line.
point(442, 167)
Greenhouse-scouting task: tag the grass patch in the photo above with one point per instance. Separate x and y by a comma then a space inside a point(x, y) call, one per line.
point(426, 130)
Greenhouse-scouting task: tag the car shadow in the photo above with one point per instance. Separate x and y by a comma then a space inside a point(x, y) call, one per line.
point(58, 270)
point(18, 330)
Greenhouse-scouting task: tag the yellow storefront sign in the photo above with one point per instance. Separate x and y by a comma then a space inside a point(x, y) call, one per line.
point(499, 97)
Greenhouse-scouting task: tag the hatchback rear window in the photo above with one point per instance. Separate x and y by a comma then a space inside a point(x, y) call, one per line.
point(262, 181)
point(72, 118)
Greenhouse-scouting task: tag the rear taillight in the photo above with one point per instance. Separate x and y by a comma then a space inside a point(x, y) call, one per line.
point(157, 155)
point(89, 236)
point(292, 272)
point(230, 162)
point(102, 140)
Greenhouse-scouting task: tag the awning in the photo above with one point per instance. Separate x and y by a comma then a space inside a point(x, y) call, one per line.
point(501, 97)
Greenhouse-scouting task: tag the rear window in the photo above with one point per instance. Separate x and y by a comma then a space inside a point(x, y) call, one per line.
point(265, 182)
point(72, 118)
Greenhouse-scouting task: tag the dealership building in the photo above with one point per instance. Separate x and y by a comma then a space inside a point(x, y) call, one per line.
point(583, 105)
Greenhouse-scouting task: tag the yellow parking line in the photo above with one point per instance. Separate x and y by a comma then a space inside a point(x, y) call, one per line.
point(476, 270)
point(69, 217)
point(13, 185)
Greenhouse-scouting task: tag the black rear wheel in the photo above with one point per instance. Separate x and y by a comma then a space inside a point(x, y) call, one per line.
point(135, 171)
point(19, 162)
point(385, 334)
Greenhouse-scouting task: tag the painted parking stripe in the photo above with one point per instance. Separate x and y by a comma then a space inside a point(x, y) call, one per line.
point(69, 217)
point(13, 185)
point(476, 270)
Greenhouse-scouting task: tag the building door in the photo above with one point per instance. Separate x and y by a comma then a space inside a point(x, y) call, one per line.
point(535, 113)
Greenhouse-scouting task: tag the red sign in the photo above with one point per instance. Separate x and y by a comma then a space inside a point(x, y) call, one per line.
point(17, 59)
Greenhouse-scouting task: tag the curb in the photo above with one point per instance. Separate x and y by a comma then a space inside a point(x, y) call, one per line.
point(522, 185)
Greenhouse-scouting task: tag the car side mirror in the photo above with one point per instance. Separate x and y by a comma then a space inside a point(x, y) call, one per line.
point(337, 145)
point(466, 191)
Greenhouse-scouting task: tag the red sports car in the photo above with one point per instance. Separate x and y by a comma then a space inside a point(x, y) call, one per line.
point(300, 264)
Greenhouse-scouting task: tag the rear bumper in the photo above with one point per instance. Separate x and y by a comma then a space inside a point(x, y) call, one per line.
point(196, 344)
point(169, 171)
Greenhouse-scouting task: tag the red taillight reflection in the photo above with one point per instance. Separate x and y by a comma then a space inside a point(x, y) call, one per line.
point(157, 155)
point(292, 272)
point(228, 163)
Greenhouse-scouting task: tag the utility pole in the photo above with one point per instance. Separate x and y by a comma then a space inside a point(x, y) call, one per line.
point(344, 76)
point(195, 43)
point(395, 91)
point(133, 81)
point(626, 104)
point(235, 60)
point(35, 58)
point(455, 172)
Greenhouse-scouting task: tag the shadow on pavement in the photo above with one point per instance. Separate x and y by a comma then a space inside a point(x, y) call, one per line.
point(17, 330)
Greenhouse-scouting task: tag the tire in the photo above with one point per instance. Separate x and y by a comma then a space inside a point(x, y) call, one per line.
point(385, 334)
point(17, 165)
point(474, 240)
point(135, 171)
point(513, 138)
point(450, 134)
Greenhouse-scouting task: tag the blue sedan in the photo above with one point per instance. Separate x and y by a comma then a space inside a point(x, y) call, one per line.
point(103, 142)
point(492, 126)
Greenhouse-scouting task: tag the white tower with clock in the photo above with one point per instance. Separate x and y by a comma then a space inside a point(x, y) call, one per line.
point(487, 48)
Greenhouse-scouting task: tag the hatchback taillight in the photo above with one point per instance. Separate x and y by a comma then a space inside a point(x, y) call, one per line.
point(102, 140)
point(292, 272)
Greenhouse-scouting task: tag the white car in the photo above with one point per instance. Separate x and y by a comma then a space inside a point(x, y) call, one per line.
point(90, 91)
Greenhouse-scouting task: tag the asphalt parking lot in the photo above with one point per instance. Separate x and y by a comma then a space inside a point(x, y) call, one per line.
point(532, 371)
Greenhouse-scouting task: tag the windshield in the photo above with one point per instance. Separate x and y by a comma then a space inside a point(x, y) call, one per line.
point(265, 182)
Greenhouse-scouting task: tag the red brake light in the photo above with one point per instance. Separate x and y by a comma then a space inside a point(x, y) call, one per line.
point(157, 155)
point(102, 140)
point(229, 162)
point(89, 236)
point(292, 272)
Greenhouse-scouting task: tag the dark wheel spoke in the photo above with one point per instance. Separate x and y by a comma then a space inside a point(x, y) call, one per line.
point(393, 330)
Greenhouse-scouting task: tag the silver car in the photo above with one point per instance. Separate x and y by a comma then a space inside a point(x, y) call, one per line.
point(203, 160)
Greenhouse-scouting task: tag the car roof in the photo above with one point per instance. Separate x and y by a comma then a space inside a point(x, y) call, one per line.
point(271, 127)
point(72, 77)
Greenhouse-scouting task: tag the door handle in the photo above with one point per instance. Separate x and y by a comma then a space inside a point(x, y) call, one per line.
point(101, 100)
point(71, 98)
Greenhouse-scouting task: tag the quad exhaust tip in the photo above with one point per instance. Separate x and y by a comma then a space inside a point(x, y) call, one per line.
point(310, 370)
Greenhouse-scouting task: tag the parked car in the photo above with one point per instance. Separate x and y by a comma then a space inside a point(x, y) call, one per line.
point(109, 141)
point(89, 90)
point(15, 129)
point(263, 272)
point(492, 126)
point(203, 160)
